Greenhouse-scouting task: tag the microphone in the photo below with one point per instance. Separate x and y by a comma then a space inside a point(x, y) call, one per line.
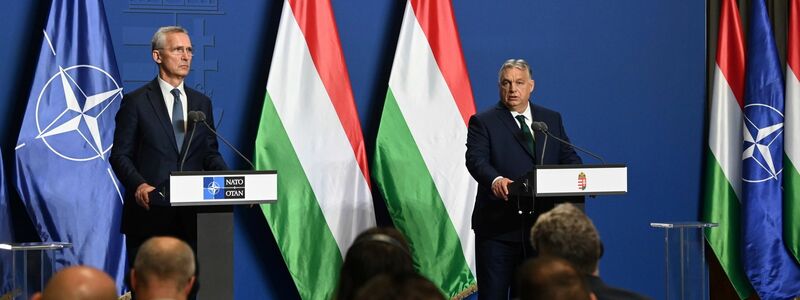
point(542, 127)
point(194, 116)
point(201, 118)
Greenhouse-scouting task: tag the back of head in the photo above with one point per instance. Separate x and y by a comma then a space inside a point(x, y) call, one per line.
point(552, 278)
point(566, 232)
point(163, 262)
point(79, 283)
point(374, 251)
point(399, 286)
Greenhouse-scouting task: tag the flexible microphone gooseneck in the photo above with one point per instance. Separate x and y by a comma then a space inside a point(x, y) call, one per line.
point(193, 118)
point(201, 118)
point(542, 127)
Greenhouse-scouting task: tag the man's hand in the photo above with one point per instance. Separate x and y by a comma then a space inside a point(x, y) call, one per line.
point(143, 195)
point(500, 188)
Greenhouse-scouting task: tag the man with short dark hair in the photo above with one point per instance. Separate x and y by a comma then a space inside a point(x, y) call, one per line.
point(566, 232)
point(163, 269)
point(501, 148)
point(551, 278)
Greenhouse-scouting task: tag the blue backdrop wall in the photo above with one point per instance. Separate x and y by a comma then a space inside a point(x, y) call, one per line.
point(628, 76)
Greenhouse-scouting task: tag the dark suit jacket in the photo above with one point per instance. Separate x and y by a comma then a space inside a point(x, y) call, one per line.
point(495, 147)
point(145, 152)
point(604, 292)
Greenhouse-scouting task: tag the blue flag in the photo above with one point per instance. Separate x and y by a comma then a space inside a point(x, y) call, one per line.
point(5, 235)
point(772, 271)
point(62, 170)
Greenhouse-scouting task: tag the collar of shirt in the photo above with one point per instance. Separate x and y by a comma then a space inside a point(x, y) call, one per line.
point(526, 114)
point(169, 99)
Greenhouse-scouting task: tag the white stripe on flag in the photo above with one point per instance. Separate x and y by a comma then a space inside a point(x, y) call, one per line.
point(792, 111)
point(436, 125)
point(317, 136)
point(725, 131)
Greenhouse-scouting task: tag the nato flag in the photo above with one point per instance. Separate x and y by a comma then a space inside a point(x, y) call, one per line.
point(772, 271)
point(5, 235)
point(62, 171)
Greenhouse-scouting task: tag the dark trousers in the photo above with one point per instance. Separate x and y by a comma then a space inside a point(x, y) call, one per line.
point(497, 259)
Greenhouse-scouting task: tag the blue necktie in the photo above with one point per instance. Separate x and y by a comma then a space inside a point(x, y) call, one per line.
point(177, 118)
point(526, 132)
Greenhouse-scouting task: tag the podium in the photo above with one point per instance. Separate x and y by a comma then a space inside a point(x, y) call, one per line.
point(570, 181)
point(214, 193)
point(685, 267)
point(32, 265)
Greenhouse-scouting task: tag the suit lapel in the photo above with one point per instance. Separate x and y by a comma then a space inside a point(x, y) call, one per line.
point(512, 126)
point(160, 108)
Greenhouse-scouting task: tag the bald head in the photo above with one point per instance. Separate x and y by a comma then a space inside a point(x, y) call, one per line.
point(80, 283)
point(163, 265)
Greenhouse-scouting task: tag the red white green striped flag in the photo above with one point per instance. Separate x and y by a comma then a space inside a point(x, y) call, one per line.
point(310, 133)
point(419, 160)
point(791, 138)
point(724, 157)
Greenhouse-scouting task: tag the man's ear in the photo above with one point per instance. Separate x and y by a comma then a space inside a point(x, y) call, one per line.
point(189, 285)
point(133, 279)
point(37, 296)
point(156, 56)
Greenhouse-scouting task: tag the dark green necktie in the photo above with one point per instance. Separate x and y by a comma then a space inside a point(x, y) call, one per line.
point(526, 132)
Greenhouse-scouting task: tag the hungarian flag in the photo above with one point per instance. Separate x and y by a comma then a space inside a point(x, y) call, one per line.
point(723, 188)
point(791, 146)
point(310, 133)
point(419, 161)
point(772, 270)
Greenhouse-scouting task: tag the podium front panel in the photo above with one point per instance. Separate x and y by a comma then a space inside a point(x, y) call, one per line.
point(576, 180)
point(223, 188)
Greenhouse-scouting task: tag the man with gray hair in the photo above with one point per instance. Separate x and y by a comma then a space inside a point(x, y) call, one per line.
point(501, 149)
point(164, 269)
point(566, 232)
point(151, 140)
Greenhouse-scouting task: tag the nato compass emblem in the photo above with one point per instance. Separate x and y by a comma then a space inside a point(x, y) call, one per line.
point(762, 146)
point(74, 105)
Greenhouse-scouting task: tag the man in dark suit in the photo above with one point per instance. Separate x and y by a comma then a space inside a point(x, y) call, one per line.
point(151, 140)
point(566, 232)
point(501, 149)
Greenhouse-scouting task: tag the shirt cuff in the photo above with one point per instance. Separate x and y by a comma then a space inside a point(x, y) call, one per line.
point(495, 179)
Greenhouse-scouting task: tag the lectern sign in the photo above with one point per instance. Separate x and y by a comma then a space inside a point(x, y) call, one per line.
point(229, 187)
point(222, 188)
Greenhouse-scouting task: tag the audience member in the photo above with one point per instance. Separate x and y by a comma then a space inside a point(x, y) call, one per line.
point(552, 278)
point(79, 283)
point(399, 286)
point(374, 251)
point(566, 232)
point(163, 269)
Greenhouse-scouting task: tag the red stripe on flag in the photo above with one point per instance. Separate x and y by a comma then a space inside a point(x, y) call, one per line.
point(730, 48)
point(315, 18)
point(437, 21)
point(793, 42)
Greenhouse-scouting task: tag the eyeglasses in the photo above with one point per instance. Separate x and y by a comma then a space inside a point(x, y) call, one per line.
point(180, 51)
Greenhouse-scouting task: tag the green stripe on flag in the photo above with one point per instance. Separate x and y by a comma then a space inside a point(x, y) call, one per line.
point(722, 206)
point(791, 207)
point(304, 238)
point(415, 205)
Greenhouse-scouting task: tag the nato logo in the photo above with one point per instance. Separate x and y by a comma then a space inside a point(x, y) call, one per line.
point(231, 187)
point(763, 143)
point(73, 115)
